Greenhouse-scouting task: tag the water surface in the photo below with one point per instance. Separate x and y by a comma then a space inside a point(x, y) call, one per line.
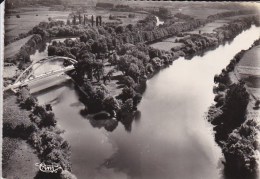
point(170, 140)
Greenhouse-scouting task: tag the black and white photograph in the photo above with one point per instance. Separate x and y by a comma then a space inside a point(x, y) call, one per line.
point(130, 89)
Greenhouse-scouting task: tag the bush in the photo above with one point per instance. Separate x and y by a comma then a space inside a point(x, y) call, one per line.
point(126, 94)
point(127, 107)
point(128, 81)
point(110, 104)
point(51, 146)
point(29, 103)
point(239, 150)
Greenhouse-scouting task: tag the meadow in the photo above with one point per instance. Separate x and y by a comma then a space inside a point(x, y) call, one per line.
point(29, 17)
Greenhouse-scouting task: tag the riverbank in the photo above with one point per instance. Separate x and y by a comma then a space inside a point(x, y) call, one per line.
point(136, 64)
point(34, 128)
point(236, 128)
point(176, 122)
point(136, 73)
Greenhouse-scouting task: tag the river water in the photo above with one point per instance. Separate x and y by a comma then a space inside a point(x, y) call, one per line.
point(171, 138)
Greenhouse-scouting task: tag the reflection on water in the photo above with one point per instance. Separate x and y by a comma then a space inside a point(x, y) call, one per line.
point(169, 139)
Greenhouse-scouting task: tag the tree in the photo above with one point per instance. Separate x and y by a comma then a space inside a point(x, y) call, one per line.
point(126, 93)
point(111, 104)
point(119, 29)
point(49, 119)
point(84, 38)
point(134, 72)
point(128, 81)
point(127, 106)
point(30, 102)
point(99, 46)
point(137, 99)
point(123, 63)
point(68, 22)
point(130, 27)
point(154, 53)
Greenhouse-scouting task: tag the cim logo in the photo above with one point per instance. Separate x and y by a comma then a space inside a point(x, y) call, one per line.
point(53, 168)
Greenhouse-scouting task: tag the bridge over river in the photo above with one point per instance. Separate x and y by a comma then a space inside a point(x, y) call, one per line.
point(28, 76)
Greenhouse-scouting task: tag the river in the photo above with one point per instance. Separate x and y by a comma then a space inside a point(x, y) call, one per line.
point(170, 140)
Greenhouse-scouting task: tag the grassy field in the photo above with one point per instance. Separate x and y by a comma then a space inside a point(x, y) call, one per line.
point(166, 45)
point(249, 65)
point(18, 159)
point(13, 48)
point(12, 112)
point(29, 17)
point(251, 58)
point(106, 13)
point(209, 28)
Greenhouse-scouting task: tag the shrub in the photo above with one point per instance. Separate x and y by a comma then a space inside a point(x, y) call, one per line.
point(110, 104)
point(127, 93)
point(127, 107)
point(128, 81)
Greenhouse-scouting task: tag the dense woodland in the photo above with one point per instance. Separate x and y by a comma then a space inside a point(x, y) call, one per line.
point(235, 133)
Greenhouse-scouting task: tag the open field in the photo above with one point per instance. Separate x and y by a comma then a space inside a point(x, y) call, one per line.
point(169, 43)
point(18, 157)
point(29, 17)
point(21, 159)
point(248, 69)
point(106, 13)
point(13, 48)
point(166, 45)
point(13, 114)
point(200, 12)
point(209, 28)
point(251, 58)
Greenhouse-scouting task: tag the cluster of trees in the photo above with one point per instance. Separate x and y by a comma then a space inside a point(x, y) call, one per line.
point(135, 62)
point(229, 14)
point(223, 78)
point(195, 43)
point(240, 151)
point(43, 133)
point(37, 125)
point(125, 8)
point(22, 58)
point(147, 32)
point(183, 16)
point(105, 5)
point(163, 12)
point(235, 133)
point(235, 27)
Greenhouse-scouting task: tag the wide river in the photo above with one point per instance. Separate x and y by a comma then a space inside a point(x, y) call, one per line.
point(171, 138)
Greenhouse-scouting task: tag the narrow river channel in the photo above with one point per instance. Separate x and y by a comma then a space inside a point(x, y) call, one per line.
point(170, 140)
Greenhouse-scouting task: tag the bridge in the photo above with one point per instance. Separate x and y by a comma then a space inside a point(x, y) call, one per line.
point(27, 77)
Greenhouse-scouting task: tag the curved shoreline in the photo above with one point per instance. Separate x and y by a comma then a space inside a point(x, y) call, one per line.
point(237, 132)
point(163, 62)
